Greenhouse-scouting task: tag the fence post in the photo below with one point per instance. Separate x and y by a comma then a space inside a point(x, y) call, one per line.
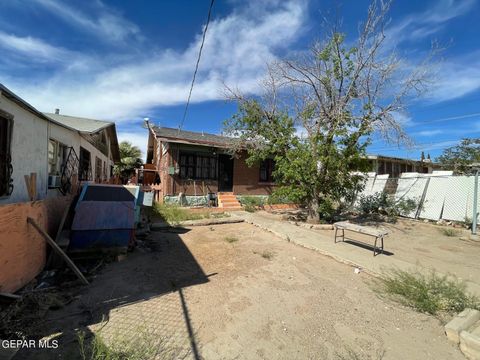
point(475, 196)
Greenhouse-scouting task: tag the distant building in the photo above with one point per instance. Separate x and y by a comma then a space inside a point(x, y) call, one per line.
point(394, 166)
point(197, 163)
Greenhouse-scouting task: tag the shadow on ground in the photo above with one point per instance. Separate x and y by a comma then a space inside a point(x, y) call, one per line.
point(142, 294)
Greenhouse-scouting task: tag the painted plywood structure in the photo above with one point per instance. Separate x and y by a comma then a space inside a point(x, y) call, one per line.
point(22, 249)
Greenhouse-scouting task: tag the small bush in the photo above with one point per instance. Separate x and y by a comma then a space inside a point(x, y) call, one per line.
point(231, 239)
point(381, 203)
point(432, 294)
point(265, 254)
point(450, 232)
point(250, 203)
point(277, 199)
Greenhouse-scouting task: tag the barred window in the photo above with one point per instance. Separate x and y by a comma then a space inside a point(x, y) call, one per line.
point(6, 182)
point(267, 167)
point(194, 166)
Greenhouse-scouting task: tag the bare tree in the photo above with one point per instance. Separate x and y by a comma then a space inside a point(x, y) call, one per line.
point(339, 95)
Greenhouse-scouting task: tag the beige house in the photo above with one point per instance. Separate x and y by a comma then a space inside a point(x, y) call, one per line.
point(394, 166)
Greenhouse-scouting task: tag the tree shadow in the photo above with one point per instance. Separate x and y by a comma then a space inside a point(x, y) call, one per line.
point(366, 246)
point(145, 290)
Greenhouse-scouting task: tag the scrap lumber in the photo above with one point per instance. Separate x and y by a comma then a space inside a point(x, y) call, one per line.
point(58, 250)
point(59, 232)
point(31, 184)
point(10, 296)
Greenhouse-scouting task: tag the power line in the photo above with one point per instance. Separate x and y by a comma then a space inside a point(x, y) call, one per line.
point(416, 147)
point(450, 103)
point(196, 66)
point(449, 118)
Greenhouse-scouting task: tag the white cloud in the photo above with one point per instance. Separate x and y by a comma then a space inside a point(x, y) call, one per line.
point(426, 133)
point(237, 49)
point(36, 49)
point(456, 78)
point(105, 23)
point(420, 25)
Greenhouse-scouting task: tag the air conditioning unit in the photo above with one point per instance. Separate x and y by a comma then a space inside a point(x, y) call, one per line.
point(54, 181)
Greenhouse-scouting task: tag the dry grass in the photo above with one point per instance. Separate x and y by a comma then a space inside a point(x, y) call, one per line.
point(266, 254)
point(432, 294)
point(450, 232)
point(231, 239)
point(174, 214)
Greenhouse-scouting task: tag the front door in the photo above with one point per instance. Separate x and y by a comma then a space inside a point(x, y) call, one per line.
point(225, 173)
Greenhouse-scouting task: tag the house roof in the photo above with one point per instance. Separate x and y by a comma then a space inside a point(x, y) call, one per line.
point(393, 158)
point(191, 137)
point(9, 94)
point(89, 127)
point(83, 125)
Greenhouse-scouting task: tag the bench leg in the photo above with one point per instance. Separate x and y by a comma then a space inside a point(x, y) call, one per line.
point(382, 244)
point(343, 235)
point(335, 239)
point(375, 246)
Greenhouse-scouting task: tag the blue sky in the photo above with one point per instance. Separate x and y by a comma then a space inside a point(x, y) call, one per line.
point(126, 60)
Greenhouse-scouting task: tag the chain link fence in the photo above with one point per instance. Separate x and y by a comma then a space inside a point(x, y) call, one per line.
point(439, 196)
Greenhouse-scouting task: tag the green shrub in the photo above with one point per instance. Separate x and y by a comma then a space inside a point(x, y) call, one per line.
point(431, 294)
point(326, 211)
point(381, 203)
point(277, 199)
point(252, 200)
point(250, 203)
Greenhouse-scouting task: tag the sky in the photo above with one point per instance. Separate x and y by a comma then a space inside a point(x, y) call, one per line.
point(123, 61)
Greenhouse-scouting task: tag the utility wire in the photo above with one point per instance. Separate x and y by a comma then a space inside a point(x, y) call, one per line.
point(196, 66)
point(449, 118)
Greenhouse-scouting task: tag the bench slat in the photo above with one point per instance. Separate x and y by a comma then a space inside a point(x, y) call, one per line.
point(360, 229)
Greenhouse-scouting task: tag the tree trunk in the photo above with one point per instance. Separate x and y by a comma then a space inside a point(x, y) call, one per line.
point(312, 208)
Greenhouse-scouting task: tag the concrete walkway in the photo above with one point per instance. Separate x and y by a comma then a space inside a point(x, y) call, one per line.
point(322, 241)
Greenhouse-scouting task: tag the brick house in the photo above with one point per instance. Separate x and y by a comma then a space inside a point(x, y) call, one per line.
point(197, 164)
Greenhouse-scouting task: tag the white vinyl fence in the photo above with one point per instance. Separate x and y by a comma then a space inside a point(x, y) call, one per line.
point(439, 195)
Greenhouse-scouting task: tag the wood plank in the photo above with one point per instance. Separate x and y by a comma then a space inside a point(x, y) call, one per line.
point(59, 231)
point(360, 229)
point(33, 186)
point(28, 186)
point(58, 250)
point(10, 296)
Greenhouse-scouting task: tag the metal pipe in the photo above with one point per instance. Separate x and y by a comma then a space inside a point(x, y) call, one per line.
point(475, 196)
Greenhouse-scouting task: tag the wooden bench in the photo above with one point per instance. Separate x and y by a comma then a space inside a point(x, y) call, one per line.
point(377, 233)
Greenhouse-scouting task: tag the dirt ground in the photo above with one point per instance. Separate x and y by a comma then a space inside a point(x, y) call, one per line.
point(421, 244)
point(237, 292)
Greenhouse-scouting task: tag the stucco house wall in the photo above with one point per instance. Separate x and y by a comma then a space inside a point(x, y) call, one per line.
point(75, 139)
point(31, 133)
point(29, 148)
